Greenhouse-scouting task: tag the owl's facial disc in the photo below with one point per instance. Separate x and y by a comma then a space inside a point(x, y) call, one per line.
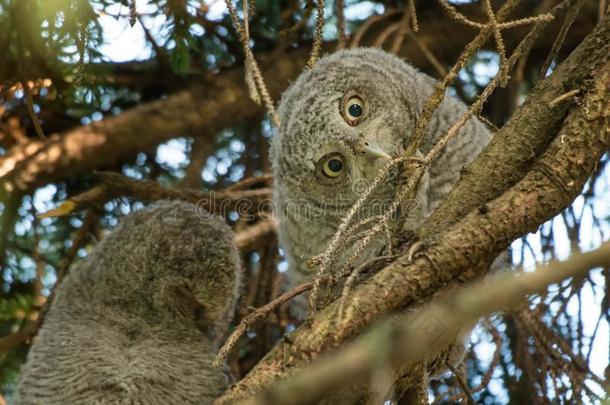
point(341, 124)
point(333, 166)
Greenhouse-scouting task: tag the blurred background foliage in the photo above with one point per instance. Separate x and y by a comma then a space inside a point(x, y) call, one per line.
point(71, 63)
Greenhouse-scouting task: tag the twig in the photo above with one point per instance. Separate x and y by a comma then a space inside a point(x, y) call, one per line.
point(563, 97)
point(385, 34)
point(413, 13)
point(456, 15)
point(77, 243)
point(527, 20)
point(254, 317)
point(462, 383)
point(317, 37)
point(490, 125)
point(264, 179)
point(132, 12)
point(409, 15)
point(493, 22)
point(245, 12)
point(94, 197)
point(159, 51)
point(441, 70)
point(247, 239)
point(437, 96)
point(571, 15)
point(252, 66)
point(340, 5)
point(368, 24)
point(289, 32)
point(115, 185)
point(201, 149)
point(353, 278)
point(403, 29)
point(31, 112)
point(323, 260)
point(476, 107)
point(488, 374)
point(14, 339)
point(497, 338)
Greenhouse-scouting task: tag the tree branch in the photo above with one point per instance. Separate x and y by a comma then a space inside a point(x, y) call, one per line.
point(115, 185)
point(412, 338)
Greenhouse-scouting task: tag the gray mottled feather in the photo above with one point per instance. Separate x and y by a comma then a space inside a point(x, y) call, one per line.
point(117, 333)
point(309, 209)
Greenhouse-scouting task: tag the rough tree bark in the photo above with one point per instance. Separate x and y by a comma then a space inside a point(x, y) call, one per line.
point(464, 249)
point(410, 338)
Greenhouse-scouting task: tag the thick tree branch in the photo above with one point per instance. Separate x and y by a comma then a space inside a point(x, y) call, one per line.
point(115, 185)
point(527, 134)
point(207, 109)
point(248, 238)
point(466, 249)
point(413, 337)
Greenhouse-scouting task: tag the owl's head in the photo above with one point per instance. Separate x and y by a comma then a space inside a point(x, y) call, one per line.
point(145, 266)
point(342, 121)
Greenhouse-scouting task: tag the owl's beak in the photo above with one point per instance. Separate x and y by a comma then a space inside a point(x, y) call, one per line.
point(370, 150)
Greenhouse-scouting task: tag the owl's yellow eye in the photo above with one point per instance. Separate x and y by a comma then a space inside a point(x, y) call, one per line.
point(332, 165)
point(353, 109)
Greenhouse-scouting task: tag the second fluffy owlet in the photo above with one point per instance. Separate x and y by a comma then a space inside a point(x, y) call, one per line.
point(341, 122)
point(121, 330)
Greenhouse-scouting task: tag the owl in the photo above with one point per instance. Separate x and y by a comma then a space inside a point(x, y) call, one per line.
point(139, 320)
point(341, 122)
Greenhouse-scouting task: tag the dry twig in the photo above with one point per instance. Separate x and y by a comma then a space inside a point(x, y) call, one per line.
point(252, 66)
point(340, 5)
point(438, 66)
point(115, 185)
point(317, 36)
point(563, 97)
point(31, 112)
point(248, 238)
point(570, 17)
point(462, 383)
point(257, 315)
point(368, 24)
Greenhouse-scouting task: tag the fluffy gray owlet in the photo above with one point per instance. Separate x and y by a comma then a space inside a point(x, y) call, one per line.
point(119, 333)
point(341, 122)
